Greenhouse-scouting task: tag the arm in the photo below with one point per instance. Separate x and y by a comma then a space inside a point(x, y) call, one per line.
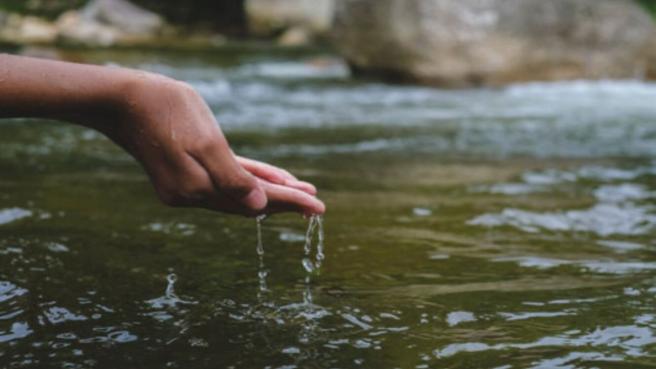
point(163, 123)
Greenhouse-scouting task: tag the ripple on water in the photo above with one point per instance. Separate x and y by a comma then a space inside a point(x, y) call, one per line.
point(630, 340)
point(13, 214)
point(602, 219)
point(548, 179)
point(620, 208)
point(171, 228)
point(11, 326)
point(456, 317)
point(595, 266)
point(58, 315)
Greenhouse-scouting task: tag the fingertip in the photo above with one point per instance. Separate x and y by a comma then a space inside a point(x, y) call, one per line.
point(317, 207)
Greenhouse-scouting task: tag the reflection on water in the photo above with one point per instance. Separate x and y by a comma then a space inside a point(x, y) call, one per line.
point(508, 228)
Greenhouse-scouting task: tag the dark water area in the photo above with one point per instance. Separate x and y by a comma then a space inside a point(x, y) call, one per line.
point(506, 228)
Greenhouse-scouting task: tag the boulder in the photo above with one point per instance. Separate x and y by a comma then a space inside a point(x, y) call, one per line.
point(109, 22)
point(272, 17)
point(651, 63)
point(295, 36)
point(20, 29)
point(123, 15)
point(461, 43)
point(74, 29)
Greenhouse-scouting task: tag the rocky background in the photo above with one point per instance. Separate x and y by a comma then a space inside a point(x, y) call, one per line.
point(452, 43)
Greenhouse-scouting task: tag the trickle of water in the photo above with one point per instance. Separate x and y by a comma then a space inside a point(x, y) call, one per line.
point(315, 227)
point(319, 257)
point(260, 248)
point(261, 272)
point(307, 292)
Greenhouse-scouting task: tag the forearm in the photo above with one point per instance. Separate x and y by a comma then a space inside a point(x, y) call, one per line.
point(83, 94)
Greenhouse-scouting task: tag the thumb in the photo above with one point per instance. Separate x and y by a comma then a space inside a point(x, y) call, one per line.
point(240, 186)
point(234, 181)
point(255, 200)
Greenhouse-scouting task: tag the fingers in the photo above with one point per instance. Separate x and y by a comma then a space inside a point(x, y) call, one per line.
point(272, 173)
point(283, 199)
point(302, 186)
point(275, 175)
point(190, 184)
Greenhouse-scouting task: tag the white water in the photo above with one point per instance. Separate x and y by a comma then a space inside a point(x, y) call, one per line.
point(572, 118)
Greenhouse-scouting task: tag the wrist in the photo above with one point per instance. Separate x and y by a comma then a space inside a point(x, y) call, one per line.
point(128, 93)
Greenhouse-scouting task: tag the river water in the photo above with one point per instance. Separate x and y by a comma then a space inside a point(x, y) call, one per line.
point(490, 228)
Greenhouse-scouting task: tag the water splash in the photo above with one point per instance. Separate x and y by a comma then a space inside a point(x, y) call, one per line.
point(170, 300)
point(170, 287)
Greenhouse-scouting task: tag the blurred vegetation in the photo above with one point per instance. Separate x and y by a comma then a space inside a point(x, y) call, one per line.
point(227, 16)
point(221, 15)
point(42, 8)
point(650, 5)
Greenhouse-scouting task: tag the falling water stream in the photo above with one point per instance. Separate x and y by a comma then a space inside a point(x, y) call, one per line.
point(314, 236)
point(259, 249)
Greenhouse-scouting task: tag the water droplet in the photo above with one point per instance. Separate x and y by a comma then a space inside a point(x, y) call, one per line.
point(308, 265)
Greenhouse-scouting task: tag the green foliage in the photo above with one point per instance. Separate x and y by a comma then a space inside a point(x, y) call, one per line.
point(649, 5)
point(43, 8)
point(223, 15)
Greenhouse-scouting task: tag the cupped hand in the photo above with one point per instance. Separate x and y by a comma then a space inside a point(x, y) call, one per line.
point(169, 128)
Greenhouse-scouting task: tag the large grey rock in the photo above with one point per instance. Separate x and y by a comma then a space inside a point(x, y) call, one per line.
point(269, 17)
point(651, 62)
point(123, 15)
point(109, 22)
point(492, 42)
point(75, 29)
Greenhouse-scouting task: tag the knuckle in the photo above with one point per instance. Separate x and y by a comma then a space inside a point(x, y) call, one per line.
point(237, 184)
point(204, 144)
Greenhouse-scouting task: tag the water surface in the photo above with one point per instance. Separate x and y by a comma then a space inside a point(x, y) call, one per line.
point(506, 228)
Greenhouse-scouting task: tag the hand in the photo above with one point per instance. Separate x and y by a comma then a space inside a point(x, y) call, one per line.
point(164, 124)
point(169, 128)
